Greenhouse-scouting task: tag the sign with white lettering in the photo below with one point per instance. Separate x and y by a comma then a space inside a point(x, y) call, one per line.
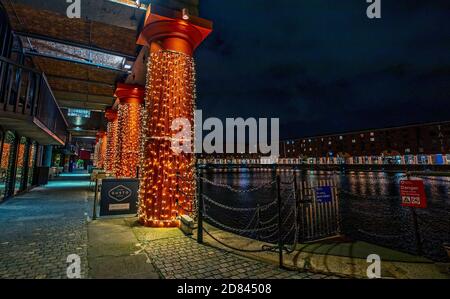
point(323, 194)
point(119, 197)
point(412, 193)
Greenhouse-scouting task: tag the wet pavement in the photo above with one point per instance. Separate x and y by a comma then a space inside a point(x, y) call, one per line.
point(40, 229)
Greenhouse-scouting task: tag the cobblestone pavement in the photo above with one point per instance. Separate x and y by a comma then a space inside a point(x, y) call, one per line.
point(40, 229)
point(180, 257)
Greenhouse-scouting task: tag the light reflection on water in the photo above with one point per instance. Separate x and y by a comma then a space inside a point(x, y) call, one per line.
point(371, 204)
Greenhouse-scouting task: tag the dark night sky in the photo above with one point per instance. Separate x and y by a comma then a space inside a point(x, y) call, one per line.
point(322, 66)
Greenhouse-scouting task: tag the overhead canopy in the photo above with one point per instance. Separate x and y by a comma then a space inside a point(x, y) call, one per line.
point(82, 58)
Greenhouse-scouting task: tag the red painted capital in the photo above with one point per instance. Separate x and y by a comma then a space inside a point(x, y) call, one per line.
point(172, 32)
point(111, 114)
point(130, 93)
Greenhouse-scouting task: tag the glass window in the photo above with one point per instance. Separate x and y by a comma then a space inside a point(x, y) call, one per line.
point(7, 148)
point(31, 163)
point(21, 159)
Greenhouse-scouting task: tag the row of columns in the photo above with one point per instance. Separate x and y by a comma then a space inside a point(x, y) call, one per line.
point(139, 134)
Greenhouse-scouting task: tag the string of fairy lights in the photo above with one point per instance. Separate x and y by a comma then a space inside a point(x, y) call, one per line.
point(100, 152)
point(112, 140)
point(170, 95)
point(129, 134)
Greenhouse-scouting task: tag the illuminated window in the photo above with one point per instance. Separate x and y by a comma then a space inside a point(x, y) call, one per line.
point(79, 113)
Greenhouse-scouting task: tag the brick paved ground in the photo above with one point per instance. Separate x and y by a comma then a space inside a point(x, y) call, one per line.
point(180, 257)
point(40, 229)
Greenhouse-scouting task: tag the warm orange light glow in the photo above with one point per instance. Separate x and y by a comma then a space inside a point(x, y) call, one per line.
point(170, 95)
point(20, 155)
point(5, 155)
point(100, 150)
point(129, 129)
point(112, 136)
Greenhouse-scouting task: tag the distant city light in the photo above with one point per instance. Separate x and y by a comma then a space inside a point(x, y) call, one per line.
point(79, 113)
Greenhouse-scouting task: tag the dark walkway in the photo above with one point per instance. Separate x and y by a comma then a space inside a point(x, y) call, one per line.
point(40, 229)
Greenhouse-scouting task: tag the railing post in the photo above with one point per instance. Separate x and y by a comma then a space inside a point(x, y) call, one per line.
point(9, 80)
point(417, 232)
point(200, 207)
point(3, 66)
point(416, 225)
point(94, 213)
point(280, 221)
point(36, 95)
point(18, 89)
point(27, 93)
point(296, 198)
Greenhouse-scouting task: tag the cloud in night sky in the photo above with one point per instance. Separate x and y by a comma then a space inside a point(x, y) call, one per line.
point(322, 66)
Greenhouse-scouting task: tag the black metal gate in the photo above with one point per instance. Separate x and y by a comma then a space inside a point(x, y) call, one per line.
point(318, 214)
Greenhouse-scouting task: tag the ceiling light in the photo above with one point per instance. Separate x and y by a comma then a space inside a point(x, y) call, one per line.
point(185, 13)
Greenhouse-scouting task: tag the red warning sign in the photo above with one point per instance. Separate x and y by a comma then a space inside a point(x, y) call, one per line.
point(412, 193)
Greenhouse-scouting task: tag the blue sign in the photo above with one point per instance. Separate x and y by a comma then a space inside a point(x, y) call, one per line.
point(439, 159)
point(323, 194)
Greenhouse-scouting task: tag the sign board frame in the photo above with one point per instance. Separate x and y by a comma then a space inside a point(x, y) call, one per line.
point(324, 194)
point(412, 194)
point(119, 197)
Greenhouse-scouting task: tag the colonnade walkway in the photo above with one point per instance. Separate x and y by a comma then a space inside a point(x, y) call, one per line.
point(39, 230)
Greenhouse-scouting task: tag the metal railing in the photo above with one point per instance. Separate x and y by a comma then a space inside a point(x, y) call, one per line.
point(26, 91)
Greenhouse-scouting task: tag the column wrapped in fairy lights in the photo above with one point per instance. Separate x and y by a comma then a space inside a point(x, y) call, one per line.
point(96, 150)
point(112, 136)
point(170, 95)
point(129, 129)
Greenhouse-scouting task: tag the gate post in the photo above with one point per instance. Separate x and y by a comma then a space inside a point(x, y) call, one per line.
point(200, 206)
point(280, 237)
point(296, 198)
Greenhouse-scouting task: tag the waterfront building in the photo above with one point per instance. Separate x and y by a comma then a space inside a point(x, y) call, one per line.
point(419, 144)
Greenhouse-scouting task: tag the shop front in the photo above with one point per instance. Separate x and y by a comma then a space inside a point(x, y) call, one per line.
point(18, 156)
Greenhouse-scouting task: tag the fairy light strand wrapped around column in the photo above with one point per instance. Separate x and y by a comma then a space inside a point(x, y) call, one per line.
point(112, 135)
point(170, 96)
point(129, 131)
point(101, 149)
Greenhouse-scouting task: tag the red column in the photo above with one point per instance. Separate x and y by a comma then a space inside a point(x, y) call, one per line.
point(129, 132)
point(170, 94)
point(111, 116)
